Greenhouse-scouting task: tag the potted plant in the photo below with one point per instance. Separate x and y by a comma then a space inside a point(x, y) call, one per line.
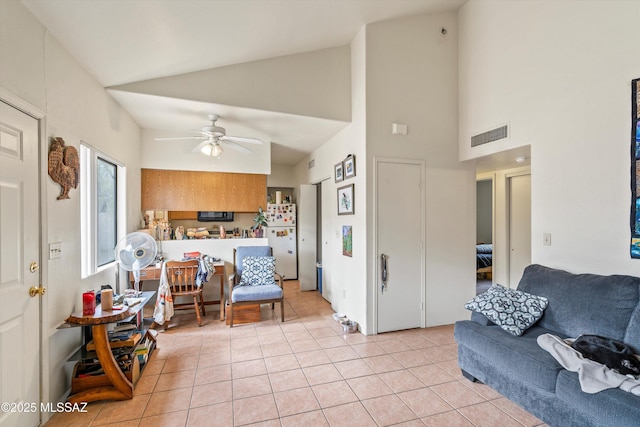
point(260, 221)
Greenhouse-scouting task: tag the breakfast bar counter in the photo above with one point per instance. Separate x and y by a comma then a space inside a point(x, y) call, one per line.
point(174, 250)
point(216, 248)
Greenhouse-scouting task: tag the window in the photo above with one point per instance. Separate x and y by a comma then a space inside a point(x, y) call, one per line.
point(106, 210)
point(102, 200)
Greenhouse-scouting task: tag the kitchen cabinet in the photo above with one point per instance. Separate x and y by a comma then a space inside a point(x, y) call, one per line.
point(183, 215)
point(175, 190)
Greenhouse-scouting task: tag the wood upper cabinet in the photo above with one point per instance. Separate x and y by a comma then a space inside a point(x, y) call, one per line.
point(202, 191)
point(183, 215)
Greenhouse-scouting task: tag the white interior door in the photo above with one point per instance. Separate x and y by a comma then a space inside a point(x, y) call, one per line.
point(19, 248)
point(307, 213)
point(399, 221)
point(328, 209)
point(519, 227)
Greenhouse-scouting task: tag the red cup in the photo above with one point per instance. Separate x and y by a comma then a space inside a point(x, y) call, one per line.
point(88, 303)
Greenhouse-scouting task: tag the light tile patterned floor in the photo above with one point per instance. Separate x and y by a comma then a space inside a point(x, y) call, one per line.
point(303, 372)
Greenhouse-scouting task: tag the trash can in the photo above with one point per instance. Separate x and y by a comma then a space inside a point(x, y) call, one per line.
point(319, 269)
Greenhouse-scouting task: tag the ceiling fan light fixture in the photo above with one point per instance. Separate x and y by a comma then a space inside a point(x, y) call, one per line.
point(212, 149)
point(216, 150)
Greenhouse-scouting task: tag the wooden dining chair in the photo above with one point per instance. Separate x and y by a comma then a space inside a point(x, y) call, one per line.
point(181, 277)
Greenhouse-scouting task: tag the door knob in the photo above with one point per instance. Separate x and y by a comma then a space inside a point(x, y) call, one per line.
point(39, 290)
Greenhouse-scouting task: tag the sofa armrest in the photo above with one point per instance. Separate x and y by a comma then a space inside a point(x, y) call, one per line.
point(480, 319)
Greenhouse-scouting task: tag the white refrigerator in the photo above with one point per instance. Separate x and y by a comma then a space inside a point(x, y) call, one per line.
point(281, 233)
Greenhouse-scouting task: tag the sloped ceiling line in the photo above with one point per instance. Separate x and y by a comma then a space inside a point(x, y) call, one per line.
point(314, 84)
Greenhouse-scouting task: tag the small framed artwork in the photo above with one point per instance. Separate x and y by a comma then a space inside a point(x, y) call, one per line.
point(350, 167)
point(345, 200)
point(339, 170)
point(347, 241)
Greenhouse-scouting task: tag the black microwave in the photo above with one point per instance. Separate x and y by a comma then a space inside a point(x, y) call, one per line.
point(207, 216)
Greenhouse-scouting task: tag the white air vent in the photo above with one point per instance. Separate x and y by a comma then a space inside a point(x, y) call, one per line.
point(490, 136)
point(312, 163)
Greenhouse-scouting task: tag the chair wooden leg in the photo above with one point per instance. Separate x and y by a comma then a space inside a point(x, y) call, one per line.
point(282, 309)
point(197, 306)
point(230, 314)
point(202, 305)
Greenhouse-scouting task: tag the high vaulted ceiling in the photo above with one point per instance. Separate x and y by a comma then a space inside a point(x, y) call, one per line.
point(126, 41)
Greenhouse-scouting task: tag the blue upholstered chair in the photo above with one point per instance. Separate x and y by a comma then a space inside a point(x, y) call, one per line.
point(254, 280)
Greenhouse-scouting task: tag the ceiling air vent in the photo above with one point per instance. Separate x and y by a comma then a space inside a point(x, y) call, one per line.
point(312, 163)
point(490, 136)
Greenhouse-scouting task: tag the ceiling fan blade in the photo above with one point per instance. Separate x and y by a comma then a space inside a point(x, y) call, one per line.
point(241, 139)
point(235, 146)
point(179, 138)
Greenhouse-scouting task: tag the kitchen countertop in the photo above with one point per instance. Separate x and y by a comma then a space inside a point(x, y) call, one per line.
point(217, 248)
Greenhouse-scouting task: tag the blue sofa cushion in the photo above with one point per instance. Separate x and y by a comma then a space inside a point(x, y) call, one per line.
point(256, 293)
point(583, 303)
point(609, 408)
point(514, 311)
point(518, 356)
point(632, 336)
point(258, 271)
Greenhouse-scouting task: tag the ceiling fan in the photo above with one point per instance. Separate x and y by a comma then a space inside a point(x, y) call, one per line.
point(214, 137)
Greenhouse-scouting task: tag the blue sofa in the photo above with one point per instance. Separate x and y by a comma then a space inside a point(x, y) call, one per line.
point(518, 368)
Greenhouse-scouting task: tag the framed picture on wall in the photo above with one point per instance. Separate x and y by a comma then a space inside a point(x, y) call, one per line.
point(350, 167)
point(346, 200)
point(635, 165)
point(347, 241)
point(339, 171)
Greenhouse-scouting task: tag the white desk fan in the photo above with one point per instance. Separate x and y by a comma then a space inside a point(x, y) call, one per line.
point(134, 252)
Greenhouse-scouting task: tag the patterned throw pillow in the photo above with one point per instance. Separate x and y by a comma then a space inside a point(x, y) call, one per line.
point(258, 270)
point(513, 310)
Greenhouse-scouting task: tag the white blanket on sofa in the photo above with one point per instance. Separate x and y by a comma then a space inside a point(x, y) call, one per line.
point(594, 377)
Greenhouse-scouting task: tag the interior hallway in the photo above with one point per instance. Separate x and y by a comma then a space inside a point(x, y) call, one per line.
point(304, 371)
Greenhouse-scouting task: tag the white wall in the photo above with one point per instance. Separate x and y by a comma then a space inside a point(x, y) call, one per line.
point(345, 285)
point(412, 79)
point(403, 71)
point(559, 73)
point(283, 84)
point(38, 70)
point(281, 176)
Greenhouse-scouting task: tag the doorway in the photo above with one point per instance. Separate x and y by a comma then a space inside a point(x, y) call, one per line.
point(19, 264)
point(484, 234)
point(307, 237)
point(399, 231)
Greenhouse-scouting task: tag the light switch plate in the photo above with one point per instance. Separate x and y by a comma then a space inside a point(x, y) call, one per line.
point(55, 250)
point(546, 239)
point(399, 129)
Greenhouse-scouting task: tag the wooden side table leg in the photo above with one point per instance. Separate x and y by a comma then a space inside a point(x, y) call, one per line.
point(121, 388)
point(111, 369)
